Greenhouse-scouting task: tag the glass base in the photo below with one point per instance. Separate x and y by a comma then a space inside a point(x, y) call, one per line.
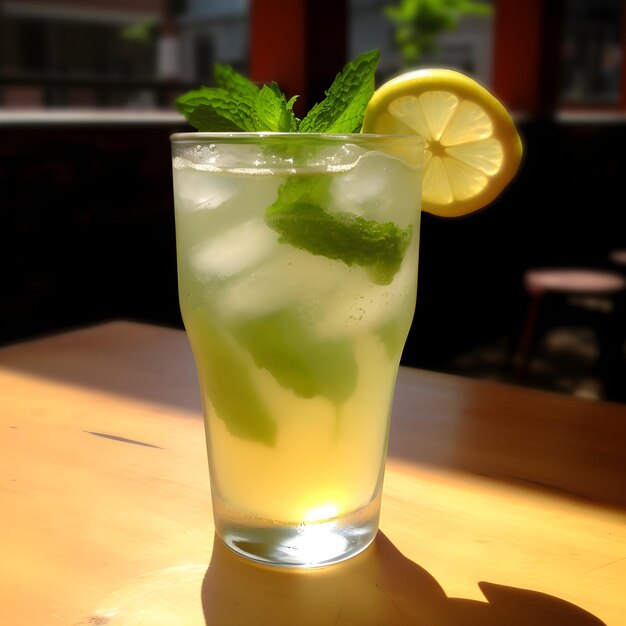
point(305, 545)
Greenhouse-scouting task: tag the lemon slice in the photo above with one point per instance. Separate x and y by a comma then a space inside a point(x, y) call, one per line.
point(473, 149)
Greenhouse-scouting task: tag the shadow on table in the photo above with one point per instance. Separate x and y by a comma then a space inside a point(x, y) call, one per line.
point(378, 587)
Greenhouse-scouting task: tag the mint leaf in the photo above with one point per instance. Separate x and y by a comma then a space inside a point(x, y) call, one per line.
point(284, 345)
point(311, 189)
point(226, 378)
point(236, 84)
point(237, 104)
point(299, 217)
point(343, 108)
point(215, 109)
point(273, 112)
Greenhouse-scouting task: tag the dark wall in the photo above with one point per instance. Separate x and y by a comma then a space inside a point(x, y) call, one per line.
point(87, 232)
point(86, 227)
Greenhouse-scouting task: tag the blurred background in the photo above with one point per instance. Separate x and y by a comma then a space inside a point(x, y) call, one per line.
point(87, 91)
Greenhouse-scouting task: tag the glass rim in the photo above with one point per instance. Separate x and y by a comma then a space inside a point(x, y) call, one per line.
point(195, 136)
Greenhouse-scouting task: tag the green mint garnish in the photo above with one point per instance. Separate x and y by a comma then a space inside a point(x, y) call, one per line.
point(343, 109)
point(237, 104)
point(274, 111)
point(300, 219)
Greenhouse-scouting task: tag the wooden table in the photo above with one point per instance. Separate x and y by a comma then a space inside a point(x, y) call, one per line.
point(502, 505)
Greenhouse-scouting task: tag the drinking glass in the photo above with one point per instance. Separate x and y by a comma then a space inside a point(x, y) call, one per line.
point(297, 263)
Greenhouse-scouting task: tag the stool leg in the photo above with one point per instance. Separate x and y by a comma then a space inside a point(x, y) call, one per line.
point(528, 338)
point(612, 362)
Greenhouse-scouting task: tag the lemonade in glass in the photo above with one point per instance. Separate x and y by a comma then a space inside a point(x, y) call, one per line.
point(297, 257)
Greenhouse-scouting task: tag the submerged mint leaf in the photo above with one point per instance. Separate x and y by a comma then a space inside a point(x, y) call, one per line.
point(226, 378)
point(298, 215)
point(301, 190)
point(343, 109)
point(284, 344)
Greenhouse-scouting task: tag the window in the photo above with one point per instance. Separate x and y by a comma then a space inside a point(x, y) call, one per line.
point(591, 52)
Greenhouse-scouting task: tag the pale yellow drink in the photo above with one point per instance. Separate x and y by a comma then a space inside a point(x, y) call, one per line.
point(297, 259)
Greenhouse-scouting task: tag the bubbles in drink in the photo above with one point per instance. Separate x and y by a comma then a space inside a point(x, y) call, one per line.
point(361, 306)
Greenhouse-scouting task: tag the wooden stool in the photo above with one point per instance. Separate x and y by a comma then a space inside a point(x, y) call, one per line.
point(618, 257)
point(598, 294)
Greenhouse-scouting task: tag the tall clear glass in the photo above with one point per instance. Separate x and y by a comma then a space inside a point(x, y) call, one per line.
point(297, 266)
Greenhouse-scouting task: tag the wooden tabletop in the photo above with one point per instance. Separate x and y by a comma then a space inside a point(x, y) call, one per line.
point(502, 506)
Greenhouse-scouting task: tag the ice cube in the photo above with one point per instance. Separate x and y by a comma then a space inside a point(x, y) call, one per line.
point(380, 188)
point(198, 189)
point(236, 250)
point(290, 277)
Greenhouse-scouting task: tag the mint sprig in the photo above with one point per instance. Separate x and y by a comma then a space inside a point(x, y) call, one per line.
point(220, 109)
point(238, 104)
